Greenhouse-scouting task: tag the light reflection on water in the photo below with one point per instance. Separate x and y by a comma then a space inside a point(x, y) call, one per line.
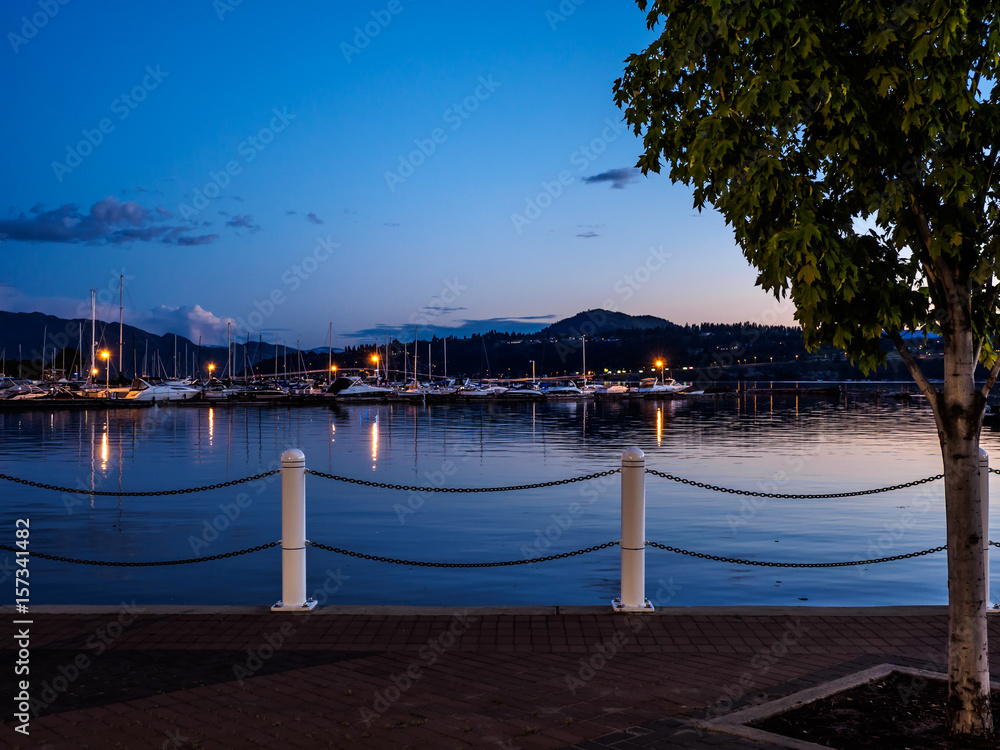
point(763, 443)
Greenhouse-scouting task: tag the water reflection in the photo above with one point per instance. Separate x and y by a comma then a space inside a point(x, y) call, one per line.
point(791, 444)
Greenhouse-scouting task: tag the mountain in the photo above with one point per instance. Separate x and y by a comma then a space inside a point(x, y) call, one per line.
point(602, 321)
point(21, 336)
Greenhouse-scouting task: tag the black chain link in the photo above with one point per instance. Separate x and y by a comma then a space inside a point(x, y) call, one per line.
point(995, 544)
point(409, 488)
point(750, 493)
point(737, 561)
point(423, 564)
point(121, 564)
point(151, 493)
point(994, 471)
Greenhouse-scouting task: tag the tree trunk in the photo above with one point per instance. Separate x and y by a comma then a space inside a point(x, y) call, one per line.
point(958, 414)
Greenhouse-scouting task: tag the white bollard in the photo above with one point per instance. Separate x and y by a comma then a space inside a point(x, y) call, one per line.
point(984, 496)
point(633, 541)
point(293, 534)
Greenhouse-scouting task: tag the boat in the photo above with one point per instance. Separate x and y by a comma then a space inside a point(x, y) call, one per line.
point(260, 392)
point(653, 387)
point(216, 390)
point(142, 390)
point(522, 392)
point(355, 389)
point(565, 389)
point(480, 390)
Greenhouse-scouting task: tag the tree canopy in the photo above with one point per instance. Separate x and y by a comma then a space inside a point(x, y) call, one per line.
point(851, 146)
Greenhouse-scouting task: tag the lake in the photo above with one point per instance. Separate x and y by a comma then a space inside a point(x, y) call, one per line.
point(776, 444)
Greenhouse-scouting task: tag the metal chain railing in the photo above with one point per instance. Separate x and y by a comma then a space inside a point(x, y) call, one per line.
point(425, 564)
point(151, 493)
point(409, 488)
point(157, 563)
point(738, 561)
point(751, 493)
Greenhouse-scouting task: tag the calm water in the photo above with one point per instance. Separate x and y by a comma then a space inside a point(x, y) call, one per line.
point(784, 445)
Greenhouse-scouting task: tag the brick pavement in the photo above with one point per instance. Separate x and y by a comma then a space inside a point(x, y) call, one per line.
point(343, 677)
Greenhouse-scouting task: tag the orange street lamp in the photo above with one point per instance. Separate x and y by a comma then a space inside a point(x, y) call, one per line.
point(211, 369)
point(107, 359)
point(659, 363)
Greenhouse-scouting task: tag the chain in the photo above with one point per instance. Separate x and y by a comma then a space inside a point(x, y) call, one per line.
point(737, 561)
point(120, 564)
point(994, 471)
point(794, 497)
point(152, 493)
point(408, 488)
point(995, 544)
point(422, 564)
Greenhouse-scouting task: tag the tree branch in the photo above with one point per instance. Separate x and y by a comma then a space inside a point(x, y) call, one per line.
point(914, 367)
point(992, 378)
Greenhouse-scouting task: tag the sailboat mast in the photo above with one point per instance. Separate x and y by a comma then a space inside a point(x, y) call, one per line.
point(415, 340)
point(584, 361)
point(121, 324)
point(445, 357)
point(93, 325)
point(329, 355)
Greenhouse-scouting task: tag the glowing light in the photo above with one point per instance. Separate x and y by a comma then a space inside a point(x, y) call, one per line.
point(374, 442)
point(104, 450)
point(659, 425)
point(211, 421)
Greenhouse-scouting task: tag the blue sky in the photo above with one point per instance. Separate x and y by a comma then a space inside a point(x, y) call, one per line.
point(375, 165)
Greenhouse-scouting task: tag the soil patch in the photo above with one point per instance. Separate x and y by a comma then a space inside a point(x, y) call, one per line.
point(899, 712)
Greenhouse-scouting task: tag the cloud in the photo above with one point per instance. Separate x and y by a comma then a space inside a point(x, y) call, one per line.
point(108, 222)
point(618, 178)
point(193, 322)
point(243, 222)
point(314, 218)
point(588, 234)
point(290, 213)
point(443, 309)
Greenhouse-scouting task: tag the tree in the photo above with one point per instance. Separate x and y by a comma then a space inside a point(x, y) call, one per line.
point(852, 147)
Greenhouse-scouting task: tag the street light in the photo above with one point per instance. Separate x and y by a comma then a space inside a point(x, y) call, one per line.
point(211, 369)
point(532, 372)
point(107, 359)
point(659, 363)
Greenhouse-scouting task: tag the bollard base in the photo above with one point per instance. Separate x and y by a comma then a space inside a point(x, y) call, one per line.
point(617, 606)
point(309, 606)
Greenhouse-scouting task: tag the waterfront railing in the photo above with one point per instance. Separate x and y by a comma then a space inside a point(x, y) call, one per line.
point(632, 542)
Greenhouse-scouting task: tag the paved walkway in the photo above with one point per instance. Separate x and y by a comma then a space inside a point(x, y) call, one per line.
point(369, 677)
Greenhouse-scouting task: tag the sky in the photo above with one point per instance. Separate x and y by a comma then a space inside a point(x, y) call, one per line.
point(374, 166)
